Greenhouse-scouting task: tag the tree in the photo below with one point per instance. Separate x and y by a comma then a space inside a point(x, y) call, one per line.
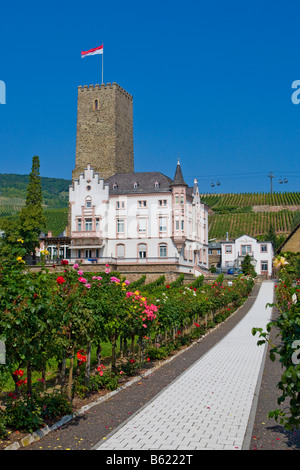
point(271, 236)
point(32, 217)
point(247, 266)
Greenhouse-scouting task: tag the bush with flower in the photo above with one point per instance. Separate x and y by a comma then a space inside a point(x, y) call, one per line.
point(287, 326)
point(66, 313)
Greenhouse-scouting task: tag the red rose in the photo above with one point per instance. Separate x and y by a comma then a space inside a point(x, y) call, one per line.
point(60, 280)
point(65, 262)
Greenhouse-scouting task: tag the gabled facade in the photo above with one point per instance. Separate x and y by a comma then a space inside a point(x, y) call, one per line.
point(138, 218)
point(261, 253)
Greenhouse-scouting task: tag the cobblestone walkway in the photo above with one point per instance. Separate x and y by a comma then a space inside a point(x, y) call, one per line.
point(211, 405)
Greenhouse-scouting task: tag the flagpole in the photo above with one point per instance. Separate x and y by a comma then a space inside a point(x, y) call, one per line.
point(102, 65)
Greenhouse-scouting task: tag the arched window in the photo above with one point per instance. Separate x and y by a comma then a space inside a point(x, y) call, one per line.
point(163, 250)
point(121, 251)
point(142, 250)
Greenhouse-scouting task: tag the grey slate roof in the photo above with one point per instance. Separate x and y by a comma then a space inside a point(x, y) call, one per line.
point(178, 178)
point(147, 182)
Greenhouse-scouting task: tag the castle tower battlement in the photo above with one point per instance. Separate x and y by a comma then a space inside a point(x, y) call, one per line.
point(104, 136)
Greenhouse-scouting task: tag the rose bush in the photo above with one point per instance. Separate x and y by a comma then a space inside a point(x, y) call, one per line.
point(287, 327)
point(60, 317)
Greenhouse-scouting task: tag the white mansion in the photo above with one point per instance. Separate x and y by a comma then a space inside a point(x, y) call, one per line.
point(136, 221)
point(134, 218)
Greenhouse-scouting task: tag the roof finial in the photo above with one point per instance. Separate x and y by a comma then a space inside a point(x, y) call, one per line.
point(178, 162)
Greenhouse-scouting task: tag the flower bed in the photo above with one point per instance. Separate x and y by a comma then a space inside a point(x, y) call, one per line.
point(57, 324)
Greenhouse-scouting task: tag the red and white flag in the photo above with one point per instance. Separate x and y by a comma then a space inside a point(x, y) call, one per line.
point(96, 50)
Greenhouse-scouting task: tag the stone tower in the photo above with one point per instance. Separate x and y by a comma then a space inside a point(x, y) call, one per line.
point(104, 130)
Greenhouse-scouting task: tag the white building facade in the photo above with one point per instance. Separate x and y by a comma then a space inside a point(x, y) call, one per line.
point(261, 253)
point(138, 218)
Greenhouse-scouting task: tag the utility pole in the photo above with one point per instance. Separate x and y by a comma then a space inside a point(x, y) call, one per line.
point(271, 176)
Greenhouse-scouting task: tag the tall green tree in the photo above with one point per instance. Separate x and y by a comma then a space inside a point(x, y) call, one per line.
point(32, 217)
point(247, 266)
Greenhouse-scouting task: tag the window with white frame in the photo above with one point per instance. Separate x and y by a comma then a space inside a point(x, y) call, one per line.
point(246, 250)
point(142, 225)
point(120, 251)
point(162, 202)
point(120, 225)
point(120, 205)
point(162, 250)
point(79, 225)
point(264, 266)
point(97, 225)
point(263, 248)
point(88, 202)
point(228, 248)
point(142, 250)
point(88, 225)
point(142, 204)
point(163, 224)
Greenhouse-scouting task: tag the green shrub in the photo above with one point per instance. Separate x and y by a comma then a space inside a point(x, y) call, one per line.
point(54, 404)
point(157, 353)
point(24, 414)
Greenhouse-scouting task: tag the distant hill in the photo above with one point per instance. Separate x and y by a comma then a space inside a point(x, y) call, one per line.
point(55, 192)
point(252, 214)
point(13, 190)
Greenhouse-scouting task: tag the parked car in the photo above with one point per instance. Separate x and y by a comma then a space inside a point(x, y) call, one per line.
point(235, 271)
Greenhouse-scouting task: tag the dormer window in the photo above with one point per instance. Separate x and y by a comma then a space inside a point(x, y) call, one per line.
point(156, 184)
point(135, 185)
point(115, 186)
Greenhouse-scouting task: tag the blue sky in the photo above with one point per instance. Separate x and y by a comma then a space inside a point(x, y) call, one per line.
point(211, 81)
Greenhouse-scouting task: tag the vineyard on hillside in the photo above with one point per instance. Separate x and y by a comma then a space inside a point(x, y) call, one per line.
point(254, 224)
point(234, 213)
point(8, 210)
point(215, 201)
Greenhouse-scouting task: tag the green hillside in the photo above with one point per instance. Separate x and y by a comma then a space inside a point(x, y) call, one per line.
point(252, 214)
point(13, 191)
point(55, 198)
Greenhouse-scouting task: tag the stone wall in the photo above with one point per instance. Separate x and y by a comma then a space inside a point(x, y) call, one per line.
point(131, 272)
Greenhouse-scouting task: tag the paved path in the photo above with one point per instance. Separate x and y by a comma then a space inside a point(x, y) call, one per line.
point(212, 404)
